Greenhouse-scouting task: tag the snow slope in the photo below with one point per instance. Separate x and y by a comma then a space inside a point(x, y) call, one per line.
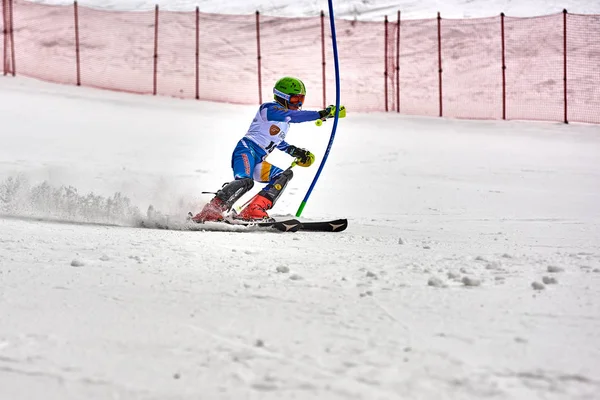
point(427, 295)
point(470, 269)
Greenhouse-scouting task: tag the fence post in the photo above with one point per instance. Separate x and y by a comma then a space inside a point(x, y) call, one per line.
point(398, 65)
point(323, 58)
point(77, 54)
point(258, 57)
point(155, 50)
point(385, 58)
point(197, 53)
point(9, 38)
point(565, 61)
point(439, 18)
point(5, 37)
point(503, 67)
point(12, 37)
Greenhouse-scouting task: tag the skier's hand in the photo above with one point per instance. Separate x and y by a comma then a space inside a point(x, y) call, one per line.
point(329, 112)
point(305, 158)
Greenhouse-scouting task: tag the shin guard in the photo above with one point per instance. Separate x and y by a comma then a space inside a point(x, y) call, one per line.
point(232, 191)
point(274, 189)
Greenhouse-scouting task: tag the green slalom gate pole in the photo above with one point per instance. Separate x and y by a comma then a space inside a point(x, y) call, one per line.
point(337, 109)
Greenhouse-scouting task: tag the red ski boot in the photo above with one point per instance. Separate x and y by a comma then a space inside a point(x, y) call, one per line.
point(257, 209)
point(212, 211)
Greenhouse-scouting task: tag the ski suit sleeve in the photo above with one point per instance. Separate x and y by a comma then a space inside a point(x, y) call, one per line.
point(283, 146)
point(276, 113)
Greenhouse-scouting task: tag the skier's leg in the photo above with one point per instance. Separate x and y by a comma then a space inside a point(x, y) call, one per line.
point(277, 184)
point(242, 163)
point(232, 191)
point(265, 199)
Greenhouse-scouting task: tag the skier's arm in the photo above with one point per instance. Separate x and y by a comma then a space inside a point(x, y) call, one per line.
point(283, 146)
point(276, 113)
point(305, 157)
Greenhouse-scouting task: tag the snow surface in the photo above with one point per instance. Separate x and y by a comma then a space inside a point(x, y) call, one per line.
point(436, 290)
point(470, 268)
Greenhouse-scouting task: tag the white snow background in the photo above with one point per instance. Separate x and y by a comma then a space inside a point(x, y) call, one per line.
point(470, 268)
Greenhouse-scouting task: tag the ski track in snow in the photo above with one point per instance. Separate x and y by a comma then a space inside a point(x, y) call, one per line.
point(137, 313)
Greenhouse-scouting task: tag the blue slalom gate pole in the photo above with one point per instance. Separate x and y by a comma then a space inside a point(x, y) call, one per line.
point(337, 108)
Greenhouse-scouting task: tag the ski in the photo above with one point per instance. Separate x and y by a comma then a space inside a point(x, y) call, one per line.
point(232, 224)
point(337, 225)
point(288, 225)
point(293, 225)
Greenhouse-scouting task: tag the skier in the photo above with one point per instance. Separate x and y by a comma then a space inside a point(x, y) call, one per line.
point(266, 133)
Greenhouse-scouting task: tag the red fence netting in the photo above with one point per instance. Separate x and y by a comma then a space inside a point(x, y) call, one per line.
point(583, 68)
point(117, 49)
point(228, 58)
point(292, 46)
point(419, 67)
point(361, 59)
point(534, 68)
point(44, 41)
point(472, 68)
point(541, 68)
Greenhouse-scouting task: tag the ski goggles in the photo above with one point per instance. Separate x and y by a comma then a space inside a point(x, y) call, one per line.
point(294, 99)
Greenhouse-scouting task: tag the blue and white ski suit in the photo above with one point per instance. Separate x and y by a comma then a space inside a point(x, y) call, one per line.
point(266, 133)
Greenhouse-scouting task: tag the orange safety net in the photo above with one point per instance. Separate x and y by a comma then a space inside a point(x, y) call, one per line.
point(486, 68)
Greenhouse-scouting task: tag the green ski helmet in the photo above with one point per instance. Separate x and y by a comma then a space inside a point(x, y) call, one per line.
point(290, 92)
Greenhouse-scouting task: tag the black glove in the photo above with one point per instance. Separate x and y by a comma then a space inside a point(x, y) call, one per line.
point(297, 152)
point(327, 113)
point(304, 156)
